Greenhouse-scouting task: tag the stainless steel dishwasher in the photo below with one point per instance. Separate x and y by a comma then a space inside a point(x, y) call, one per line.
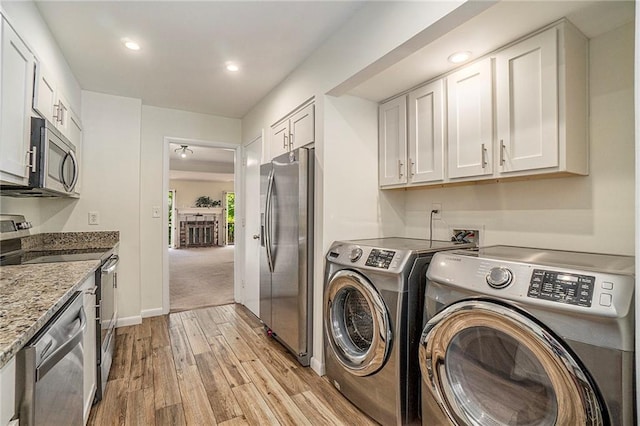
point(50, 370)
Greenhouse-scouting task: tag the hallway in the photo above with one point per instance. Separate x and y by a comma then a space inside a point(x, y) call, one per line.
point(200, 277)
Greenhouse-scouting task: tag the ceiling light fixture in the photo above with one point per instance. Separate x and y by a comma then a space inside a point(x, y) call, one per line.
point(459, 57)
point(132, 45)
point(183, 150)
point(232, 67)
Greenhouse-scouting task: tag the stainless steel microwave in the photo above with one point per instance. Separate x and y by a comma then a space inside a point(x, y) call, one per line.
point(53, 165)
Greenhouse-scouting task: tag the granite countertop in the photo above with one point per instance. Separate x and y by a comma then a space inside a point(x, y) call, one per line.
point(31, 294)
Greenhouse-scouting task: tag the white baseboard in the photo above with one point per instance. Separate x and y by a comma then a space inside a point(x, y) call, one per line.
point(146, 313)
point(134, 320)
point(317, 366)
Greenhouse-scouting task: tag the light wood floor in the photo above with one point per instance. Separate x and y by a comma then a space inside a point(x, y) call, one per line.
point(214, 366)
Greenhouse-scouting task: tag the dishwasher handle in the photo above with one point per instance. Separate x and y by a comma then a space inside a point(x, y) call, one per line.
point(110, 265)
point(49, 362)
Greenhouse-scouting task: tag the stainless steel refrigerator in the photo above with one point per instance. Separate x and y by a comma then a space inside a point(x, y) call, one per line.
point(286, 255)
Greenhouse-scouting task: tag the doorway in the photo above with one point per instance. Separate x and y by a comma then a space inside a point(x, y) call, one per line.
point(200, 261)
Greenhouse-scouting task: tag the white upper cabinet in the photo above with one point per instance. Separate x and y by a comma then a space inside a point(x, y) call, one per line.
point(16, 89)
point(294, 131)
point(280, 138)
point(426, 134)
point(392, 142)
point(302, 127)
point(541, 104)
point(527, 103)
point(50, 102)
point(470, 121)
point(534, 91)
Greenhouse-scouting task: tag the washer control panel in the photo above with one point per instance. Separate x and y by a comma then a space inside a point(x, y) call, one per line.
point(573, 289)
point(380, 258)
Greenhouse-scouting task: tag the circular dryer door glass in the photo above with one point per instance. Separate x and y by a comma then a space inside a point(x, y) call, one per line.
point(357, 323)
point(354, 321)
point(487, 363)
point(496, 379)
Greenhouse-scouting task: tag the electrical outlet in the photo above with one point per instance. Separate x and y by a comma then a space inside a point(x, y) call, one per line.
point(438, 207)
point(94, 218)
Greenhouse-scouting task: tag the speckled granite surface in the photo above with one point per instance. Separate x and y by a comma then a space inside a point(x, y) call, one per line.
point(31, 294)
point(71, 240)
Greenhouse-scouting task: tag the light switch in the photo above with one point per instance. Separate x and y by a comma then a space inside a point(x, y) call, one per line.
point(155, 211)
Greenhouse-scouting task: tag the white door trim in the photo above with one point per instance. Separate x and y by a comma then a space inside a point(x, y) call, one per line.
point(238, 258)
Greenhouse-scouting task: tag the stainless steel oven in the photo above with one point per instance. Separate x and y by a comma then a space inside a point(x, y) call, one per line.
point(50, 383)
point(106, 319)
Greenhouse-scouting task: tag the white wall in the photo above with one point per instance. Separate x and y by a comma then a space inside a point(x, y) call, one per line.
point(592, 213)
point(347, 127)
point(158, 123)
point(111, 187)
point(187, 191)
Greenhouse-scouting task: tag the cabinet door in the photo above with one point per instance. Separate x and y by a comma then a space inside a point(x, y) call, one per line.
point(75, 137)
point(392, 142)
point(302, 127)
point(470, 121)
point(62, 114)
point(16, 89)
point(280, 139)
point(44, 94)
point(89, 345)
point(527, 104)
point(426, 141)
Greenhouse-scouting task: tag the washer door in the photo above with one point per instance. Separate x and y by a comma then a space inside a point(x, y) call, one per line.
point(488, 364)
point(356, 323)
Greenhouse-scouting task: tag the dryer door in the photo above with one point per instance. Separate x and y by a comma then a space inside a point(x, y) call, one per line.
point(356, 323)
point(485, 363)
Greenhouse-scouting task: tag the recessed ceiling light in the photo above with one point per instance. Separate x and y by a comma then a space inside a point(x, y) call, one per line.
point(459, 57)
point(232, 67)
point(132, 45)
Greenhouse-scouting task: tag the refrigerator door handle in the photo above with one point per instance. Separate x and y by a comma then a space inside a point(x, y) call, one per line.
point(267, 220)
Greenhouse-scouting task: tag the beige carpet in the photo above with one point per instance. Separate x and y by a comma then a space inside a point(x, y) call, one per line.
point(200, 277)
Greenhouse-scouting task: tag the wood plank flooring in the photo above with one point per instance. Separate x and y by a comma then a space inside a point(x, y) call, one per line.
point(214, 366)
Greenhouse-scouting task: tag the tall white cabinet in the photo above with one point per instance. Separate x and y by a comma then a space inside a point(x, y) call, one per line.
point(16, 89)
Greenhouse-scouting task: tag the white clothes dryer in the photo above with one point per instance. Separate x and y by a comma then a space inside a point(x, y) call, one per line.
point(521, 336)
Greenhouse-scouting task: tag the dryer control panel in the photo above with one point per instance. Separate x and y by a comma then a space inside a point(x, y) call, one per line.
point(573, 289)
point(380, 258)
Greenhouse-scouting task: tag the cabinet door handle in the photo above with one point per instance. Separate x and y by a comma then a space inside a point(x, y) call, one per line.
point(56, 111)
point(412, 168)
point(483, 153)
point(34, 155)
point(290, 141)
point(285, 143)
point(400, 168)
point(502, 148)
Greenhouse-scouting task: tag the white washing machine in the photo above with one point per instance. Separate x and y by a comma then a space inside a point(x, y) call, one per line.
point(374, 291)
point(520, 336)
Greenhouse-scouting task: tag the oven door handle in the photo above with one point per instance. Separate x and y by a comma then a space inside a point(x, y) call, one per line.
point(48, 363)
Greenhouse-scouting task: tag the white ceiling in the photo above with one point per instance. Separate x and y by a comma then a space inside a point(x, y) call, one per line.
point(185, 46)
point(202, 164)
point(497, 26)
